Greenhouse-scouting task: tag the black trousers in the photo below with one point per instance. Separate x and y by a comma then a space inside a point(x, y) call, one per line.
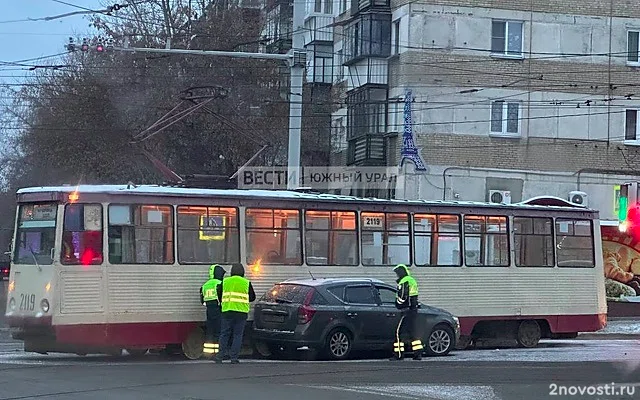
point(410, 327)
point(214, 315)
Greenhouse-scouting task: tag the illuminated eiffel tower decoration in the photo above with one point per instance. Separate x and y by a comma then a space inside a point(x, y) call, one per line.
point(409, 149)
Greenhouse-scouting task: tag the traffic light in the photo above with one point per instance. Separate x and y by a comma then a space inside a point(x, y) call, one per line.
point(85, 45)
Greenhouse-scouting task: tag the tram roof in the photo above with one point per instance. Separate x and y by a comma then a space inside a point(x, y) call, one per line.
point(157, 190)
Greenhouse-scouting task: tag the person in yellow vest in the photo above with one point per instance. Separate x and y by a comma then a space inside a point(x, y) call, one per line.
point(210, 298)
point(236, 292)
point(407, 302)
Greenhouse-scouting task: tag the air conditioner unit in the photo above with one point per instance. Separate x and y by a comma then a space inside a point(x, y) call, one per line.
point(500, 196)
point(577, 197)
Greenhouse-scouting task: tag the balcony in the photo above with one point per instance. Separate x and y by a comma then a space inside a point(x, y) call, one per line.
point(317, 28)
point(366, 72)
point(359, 6)
point(367, 36)
point(367, 122)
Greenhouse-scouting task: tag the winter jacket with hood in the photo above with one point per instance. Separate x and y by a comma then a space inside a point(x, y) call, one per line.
point(238, 270)
point(215, 272)
point(403, 300)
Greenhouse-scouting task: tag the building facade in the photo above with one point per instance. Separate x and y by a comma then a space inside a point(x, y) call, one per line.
point(510, 100)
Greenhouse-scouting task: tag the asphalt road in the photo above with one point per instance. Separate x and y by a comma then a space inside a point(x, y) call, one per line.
point(490, 374)
point(467, 375)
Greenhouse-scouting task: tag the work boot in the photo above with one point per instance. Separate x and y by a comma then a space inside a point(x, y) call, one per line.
point(236, 361)
point(396, 357)
point(417, 356)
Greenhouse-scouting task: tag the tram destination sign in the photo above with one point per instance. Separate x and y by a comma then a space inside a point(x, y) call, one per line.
point(318, 177)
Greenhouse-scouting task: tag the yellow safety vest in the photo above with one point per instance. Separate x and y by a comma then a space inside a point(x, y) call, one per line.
point(235, 294)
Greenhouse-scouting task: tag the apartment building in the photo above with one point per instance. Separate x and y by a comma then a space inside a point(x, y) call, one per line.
point(510, 100)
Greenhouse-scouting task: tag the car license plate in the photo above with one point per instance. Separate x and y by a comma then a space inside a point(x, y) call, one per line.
point(273, 318)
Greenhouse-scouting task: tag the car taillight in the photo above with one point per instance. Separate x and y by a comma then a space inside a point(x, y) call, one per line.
point(305, 314)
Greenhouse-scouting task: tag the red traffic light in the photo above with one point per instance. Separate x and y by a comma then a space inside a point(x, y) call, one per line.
point(99, 48)
point(84, 47)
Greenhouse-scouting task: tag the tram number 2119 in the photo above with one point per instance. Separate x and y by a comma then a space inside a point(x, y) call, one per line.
point(27, 302)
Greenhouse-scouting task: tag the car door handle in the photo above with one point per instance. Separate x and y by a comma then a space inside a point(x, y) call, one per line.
point(352, 314)
point(391, 315)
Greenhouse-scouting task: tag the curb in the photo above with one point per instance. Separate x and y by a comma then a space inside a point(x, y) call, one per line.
point(609, 336)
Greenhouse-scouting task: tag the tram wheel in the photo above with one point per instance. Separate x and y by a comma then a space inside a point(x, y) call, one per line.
point(529, 333)
point(193, 344)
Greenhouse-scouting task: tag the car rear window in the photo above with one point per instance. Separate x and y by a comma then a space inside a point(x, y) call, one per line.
point(286, 293)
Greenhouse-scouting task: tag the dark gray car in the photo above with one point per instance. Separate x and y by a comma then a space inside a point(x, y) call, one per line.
point(333, 317)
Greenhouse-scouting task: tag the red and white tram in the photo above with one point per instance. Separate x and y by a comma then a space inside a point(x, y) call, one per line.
point(104, 268)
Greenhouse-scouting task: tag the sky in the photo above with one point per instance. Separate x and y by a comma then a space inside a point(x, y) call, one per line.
point(31, 39)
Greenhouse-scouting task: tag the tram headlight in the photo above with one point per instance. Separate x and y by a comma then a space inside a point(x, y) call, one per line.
point(44, 305)
point(12, 304)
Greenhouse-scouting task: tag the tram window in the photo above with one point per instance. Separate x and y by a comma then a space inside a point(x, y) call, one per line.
point(574, 243)
point(486, 241)
point(36, 235)
point(82, 235)
point(208, 235)
point(331, 238)
point(273, 236)
point(140, 234)
point(385, 238)
point(533, 242)
point(436, 239)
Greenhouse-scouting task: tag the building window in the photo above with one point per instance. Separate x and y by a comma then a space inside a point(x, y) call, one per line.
point(331, 238)
point(396, 37)
point(506, 38)
point(343, 6)
point(328, 7)
point(367, 112)
point(574, 243)
point(385, 238)
point(273, 236)
point(322, 68)
point(533, 242)
point(437, 239)
point(505, 117)
point(318, 6)
point(208, 235)
point(631, 125)
point(140, 234)
point(82, 235)
point(633, 45)
point(368, 36)
point(486, 241)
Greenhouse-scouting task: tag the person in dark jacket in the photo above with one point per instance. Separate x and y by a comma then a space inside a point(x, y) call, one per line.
point(409, 325)
point(236, 293)
point(210, 297)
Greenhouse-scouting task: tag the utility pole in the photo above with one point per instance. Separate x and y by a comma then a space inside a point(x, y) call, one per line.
point(295, 94)
point(296, 58)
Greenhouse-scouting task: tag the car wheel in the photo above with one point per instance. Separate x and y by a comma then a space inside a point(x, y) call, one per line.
point(441, 341)
point(339, 344)
point(529, 333)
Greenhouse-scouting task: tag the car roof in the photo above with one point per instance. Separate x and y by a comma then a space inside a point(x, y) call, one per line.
point(330, 281)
